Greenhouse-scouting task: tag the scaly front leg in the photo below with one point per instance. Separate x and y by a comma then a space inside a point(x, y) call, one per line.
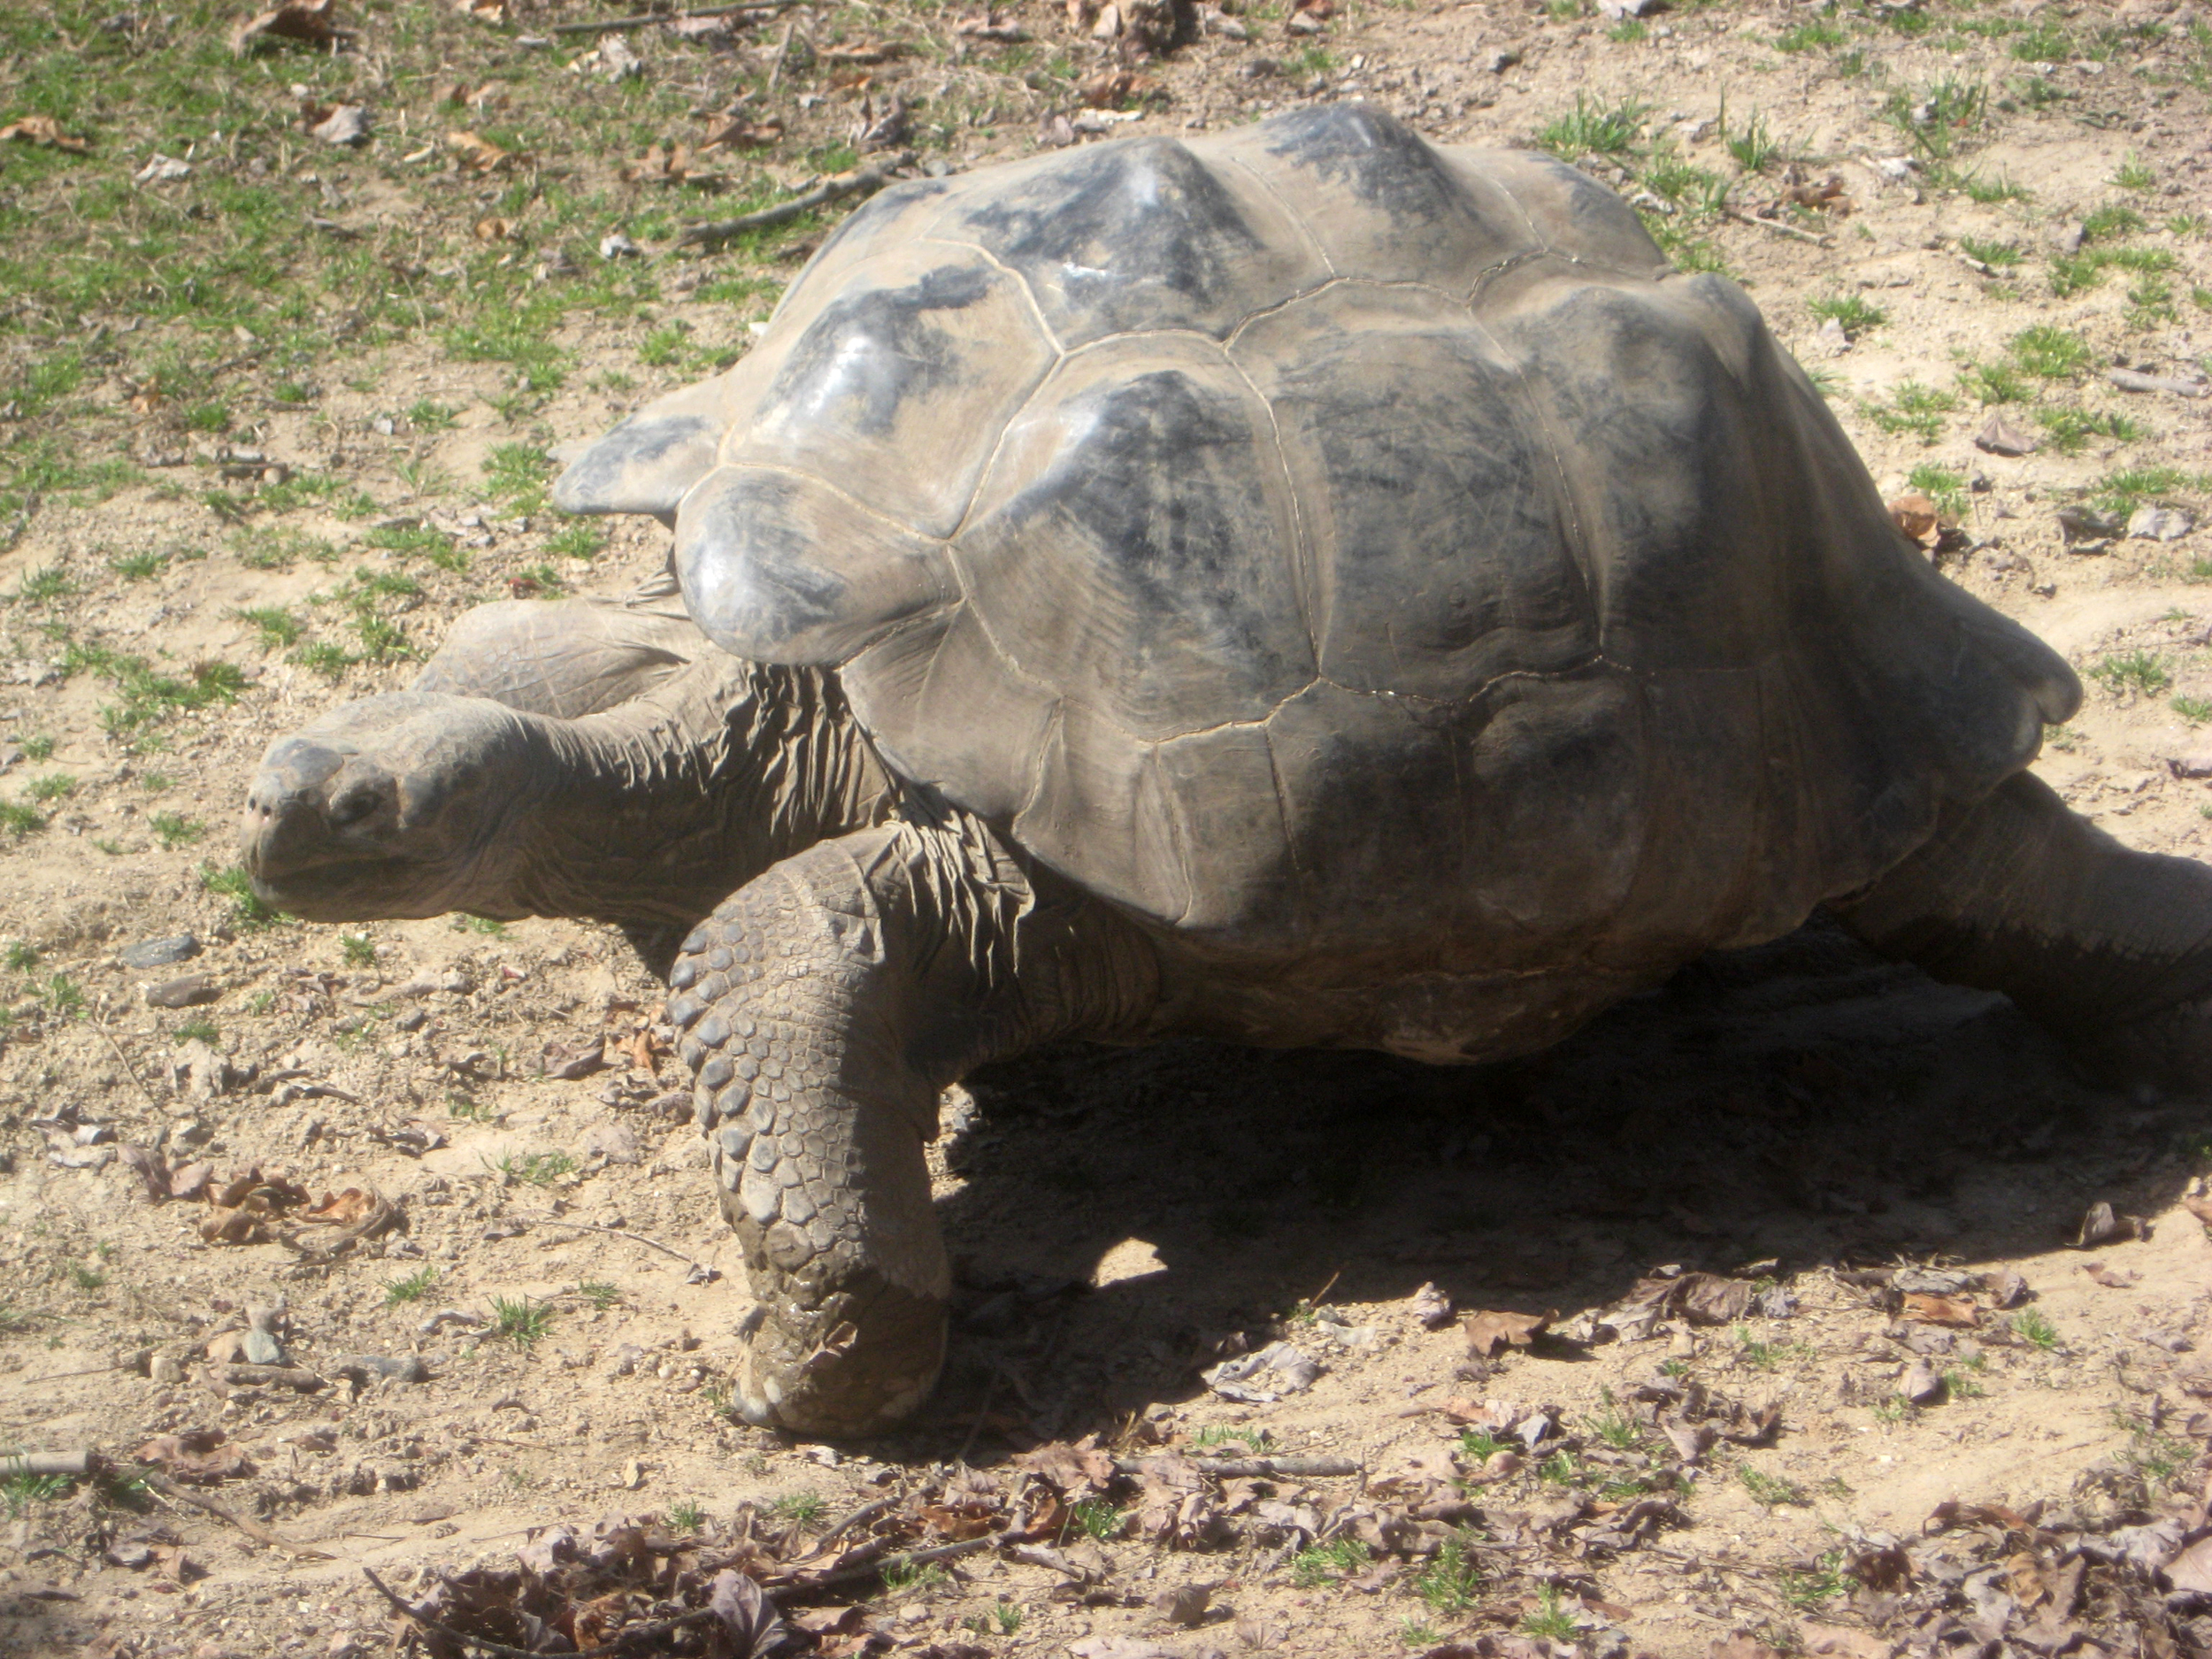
point(824, 1006)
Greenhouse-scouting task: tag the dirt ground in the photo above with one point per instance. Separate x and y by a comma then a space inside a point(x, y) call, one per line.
point(1806, 1228)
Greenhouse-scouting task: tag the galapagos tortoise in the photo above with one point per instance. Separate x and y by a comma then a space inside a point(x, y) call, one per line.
point(1302, 586)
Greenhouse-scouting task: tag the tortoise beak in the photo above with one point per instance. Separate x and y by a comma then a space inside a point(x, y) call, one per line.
point(312, 806)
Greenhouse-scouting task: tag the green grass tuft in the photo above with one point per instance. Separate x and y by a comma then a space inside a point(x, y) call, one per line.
point(1855, 315)
point(520, 1320)
point(1593, 131)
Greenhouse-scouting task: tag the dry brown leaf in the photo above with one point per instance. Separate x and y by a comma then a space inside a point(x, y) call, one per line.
point(737, 132)
point(45, 132)
point(2000, 437)
point(484, 10)
point(1489, 1332)
point(190, 1181)
point(1079, 1470)
point(2111, 1278)
point(866, 52)
point(1107, 89)
point(344, 1210)
point(201, 1455)
point(481, 96)
point(1713, 1298)
point(492, 229)
point(475, 154)
point(1914, 515)
point(1952, 1310)
point(672, 166)
point(2191, 1570)
point(1825, 196)
point(309, 21)
point(965, 1518)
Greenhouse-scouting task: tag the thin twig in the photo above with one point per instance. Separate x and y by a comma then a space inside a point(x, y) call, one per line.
point(129, 1070)
point(620, 1232)
point(893, 1563)
point(775, 70)
point(860, 1517)
point(636, 1633)
point(251, 1529)
point(1778, 227)
point(1262, 1468)
point(607, 26)
point(863, 181)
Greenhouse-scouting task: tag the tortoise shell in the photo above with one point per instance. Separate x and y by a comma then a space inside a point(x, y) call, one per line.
point(1310, 539)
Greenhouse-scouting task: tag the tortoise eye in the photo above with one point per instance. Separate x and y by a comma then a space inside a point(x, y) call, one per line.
point(355, 803)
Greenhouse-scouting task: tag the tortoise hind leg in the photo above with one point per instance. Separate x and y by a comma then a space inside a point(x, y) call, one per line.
point(2110, 946)
point(824, 1005)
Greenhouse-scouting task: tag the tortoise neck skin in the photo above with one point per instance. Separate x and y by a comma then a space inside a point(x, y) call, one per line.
point(665, 805)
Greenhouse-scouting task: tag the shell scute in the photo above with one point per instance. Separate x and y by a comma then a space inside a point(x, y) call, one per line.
point(1128, 546)
point(1432, 545)
point(1141, 234)
point(895, 384)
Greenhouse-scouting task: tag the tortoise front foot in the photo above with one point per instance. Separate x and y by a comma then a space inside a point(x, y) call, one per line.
point(791, 1009)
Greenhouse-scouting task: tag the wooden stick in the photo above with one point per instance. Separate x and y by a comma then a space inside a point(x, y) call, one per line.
point(1263, 1468)
point(861, 182)
point(78, 1463)
point(783, 46)
point(893, 1563)
point(607, 26)
point(1778, 227)
point(254, 1530)
point(860, 1517)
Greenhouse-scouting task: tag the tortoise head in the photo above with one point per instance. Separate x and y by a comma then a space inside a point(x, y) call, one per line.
point(408, 804)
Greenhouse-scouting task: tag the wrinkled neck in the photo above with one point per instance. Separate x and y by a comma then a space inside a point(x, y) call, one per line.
point(664, 806)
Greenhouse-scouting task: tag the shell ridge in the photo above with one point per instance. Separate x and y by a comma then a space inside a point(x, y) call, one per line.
point(998, 447)
point(1304, 577)
point(1571, 527)
point(1290, 212)
point(1056, 729)
point(1013, 667)
point(1036, 311)
point(843, 495)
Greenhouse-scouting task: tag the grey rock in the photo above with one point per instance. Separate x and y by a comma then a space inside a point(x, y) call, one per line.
point(2085, 524)
point(2160, 523)
point(261, 1348)
point(160, 953)
point(189, 990)
point(367, 1368)
point(614, 1140)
